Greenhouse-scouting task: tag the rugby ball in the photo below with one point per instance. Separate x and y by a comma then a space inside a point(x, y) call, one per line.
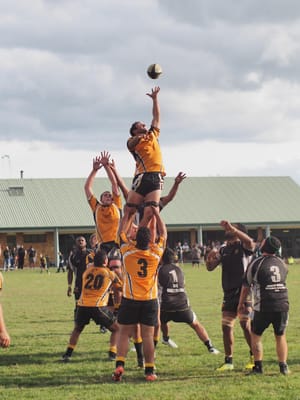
point(154, 71)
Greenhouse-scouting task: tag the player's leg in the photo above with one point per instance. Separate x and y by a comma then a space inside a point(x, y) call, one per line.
point(133, 201)
point(72, 342)
point(138, 345)
point(202, 334)
point(124, 335)
point(279, 324)
point(150, 200)
point(228, 321)
point(165, 317)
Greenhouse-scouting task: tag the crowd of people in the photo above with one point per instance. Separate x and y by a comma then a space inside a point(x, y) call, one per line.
point(130, 283)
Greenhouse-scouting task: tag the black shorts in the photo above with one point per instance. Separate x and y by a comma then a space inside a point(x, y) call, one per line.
point(147, 183)
point(100, 315)
point(231, 300)
point(261, 321)
point(187, 316)
point(107, 246)
point(135, 312)
point(110, 302)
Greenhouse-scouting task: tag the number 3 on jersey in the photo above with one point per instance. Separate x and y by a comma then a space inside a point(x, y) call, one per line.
point(142, 273)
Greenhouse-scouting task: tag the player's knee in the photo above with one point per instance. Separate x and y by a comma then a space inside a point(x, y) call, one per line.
point(228, 322)
point(131, 208)
point(244, 321)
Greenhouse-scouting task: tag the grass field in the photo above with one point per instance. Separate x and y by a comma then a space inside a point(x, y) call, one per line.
point(39, 319)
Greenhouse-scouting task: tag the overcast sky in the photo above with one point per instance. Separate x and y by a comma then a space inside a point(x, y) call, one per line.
point(73, 79)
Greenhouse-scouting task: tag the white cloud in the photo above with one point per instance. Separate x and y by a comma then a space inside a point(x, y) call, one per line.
point(73, 78)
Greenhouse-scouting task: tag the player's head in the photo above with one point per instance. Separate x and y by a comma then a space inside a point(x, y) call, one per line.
point(106, 198)
point(93, 240)
point(168, 256)
point(114, 254)
point(100, 259)
point(80, 242)
point(270, 245)
point(137, 128)
point(143, 237)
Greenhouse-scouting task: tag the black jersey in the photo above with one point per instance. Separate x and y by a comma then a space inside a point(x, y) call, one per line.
point(235, 259)
point(78, 261)
point(267, 275)
point(173, 295)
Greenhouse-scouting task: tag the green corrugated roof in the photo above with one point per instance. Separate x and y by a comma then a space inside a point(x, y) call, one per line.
point(61, 203)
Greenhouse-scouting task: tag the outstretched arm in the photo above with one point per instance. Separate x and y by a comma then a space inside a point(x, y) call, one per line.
point(161, 227)
point(170, 196)
point(244, 238)
point(120, 181)
point(88, 187)
point(105, 156)
point(155, 109)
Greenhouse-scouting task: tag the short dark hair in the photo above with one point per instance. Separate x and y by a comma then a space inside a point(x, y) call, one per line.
point(143, 237)
point(271, 245)
point(168, 256)
point(100, 257)
point(133, 127)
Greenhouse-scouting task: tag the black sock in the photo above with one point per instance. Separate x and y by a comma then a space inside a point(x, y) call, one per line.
point(120, 364)
point(258, 365)
point(149, 370)
point(208, 344)
point(228, 359)
point(139, 350)
point(69, 351)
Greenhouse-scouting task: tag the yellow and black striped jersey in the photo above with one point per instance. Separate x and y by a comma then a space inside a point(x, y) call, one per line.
point(107, 218)
point(96, 285)
point(147, 154)
point(140, 270)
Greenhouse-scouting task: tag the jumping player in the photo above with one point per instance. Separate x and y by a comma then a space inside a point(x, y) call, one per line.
point(148, 181)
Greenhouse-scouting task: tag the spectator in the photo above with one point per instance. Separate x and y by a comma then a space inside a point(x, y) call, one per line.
point(196, 256)
point(6, 256)
point(43, 264)
point(179, 252)
point(13, 258)
point(60, 262)
point(32, 257)
point(21, 256)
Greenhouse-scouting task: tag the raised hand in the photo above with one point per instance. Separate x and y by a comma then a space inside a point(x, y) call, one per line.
point(97, 163)
point(154, 92)
point(105, 156)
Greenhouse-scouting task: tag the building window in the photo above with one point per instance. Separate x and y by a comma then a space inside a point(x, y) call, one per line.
point(35, 238)
point(16, 191)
